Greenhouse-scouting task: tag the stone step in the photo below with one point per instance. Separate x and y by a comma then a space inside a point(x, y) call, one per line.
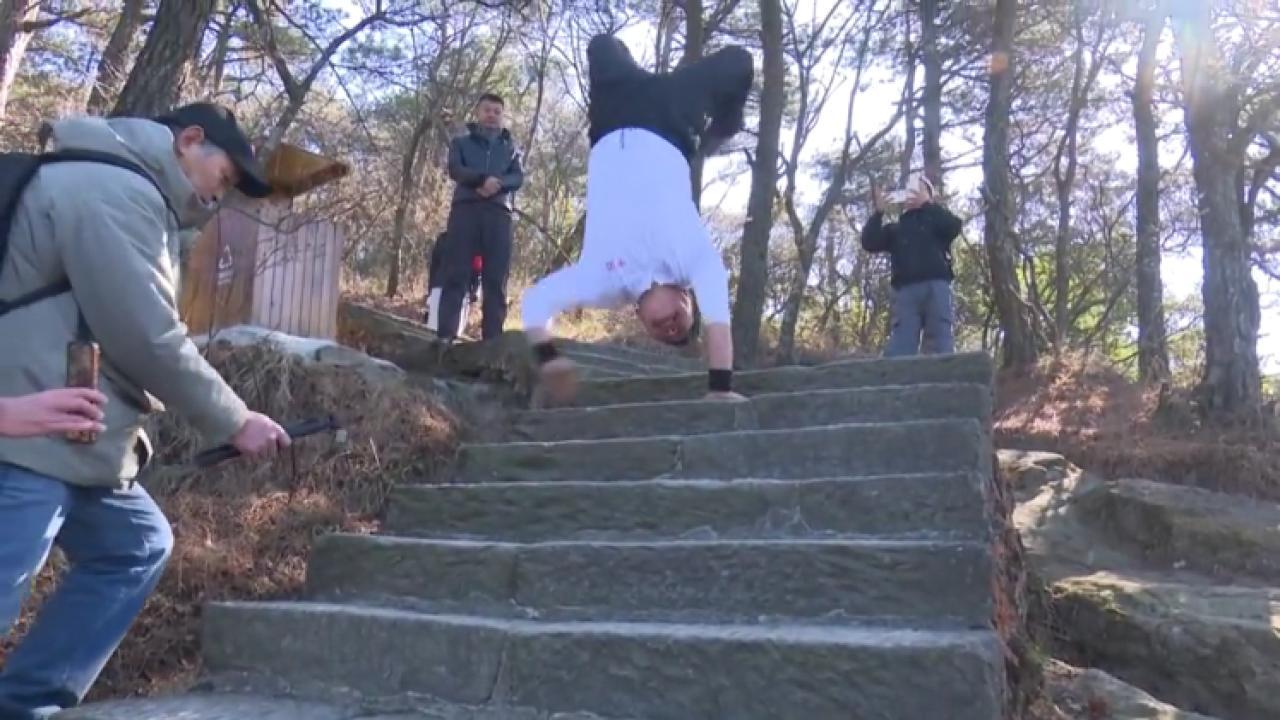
point(635, 355)
point(594, 373)
point(836, 451)
point(617, 670)
point(239, 705)
point(961, 368)
point(211, 706)
point(762, 412)
point(592, 358)
point(923, 581)
point(946, 506)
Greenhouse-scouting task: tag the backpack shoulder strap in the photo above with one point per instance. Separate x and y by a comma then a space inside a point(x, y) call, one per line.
point(102, 158)
point(17, 170)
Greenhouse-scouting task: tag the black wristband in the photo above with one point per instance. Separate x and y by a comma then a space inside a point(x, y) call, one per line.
point(544, 352)
point(720, 380)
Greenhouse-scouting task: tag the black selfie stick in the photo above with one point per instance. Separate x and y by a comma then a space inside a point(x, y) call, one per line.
point(300, 429)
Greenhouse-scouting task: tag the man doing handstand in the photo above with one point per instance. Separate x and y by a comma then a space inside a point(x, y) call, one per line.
point(644, 244)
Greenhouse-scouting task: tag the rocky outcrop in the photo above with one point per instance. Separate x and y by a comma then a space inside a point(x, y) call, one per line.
point(1175, 527)
point(1090, 694)
point(1137, 575)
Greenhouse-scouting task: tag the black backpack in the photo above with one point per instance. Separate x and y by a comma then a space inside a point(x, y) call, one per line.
point(16, 171)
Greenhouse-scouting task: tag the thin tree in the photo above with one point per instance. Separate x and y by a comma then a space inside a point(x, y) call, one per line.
point(1019, 346)
point(753, 277)
point(931, 58)
point(1086, 62)
point(20, 20)
point(296, 87)
point(1153, 348)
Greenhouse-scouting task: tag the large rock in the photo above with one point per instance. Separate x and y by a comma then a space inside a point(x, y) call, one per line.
point(1212, 649)
point(1093, 693)
point(1176, 527)
point(1026, 471)
point(1120, 562)
point(312, 351)
point(413, 347)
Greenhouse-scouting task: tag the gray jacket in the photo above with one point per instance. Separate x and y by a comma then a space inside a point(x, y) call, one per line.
point(109, 232)
point(475, 156)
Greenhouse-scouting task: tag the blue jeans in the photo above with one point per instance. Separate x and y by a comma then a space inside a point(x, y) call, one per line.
point(117, 543)
point(923, 306)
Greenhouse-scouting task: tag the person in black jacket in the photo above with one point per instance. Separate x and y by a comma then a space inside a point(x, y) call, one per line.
point(919, 247)
point(486, 167)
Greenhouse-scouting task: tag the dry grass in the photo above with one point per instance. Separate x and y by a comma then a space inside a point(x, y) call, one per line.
point(244, 531)
point(1117, 428)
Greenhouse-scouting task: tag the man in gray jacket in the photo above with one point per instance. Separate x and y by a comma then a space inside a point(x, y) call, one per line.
point(486, 167)
point(114, 234)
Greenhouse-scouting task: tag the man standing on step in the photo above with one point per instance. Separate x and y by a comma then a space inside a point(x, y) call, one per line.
point(919, 247)
point(486, 167)
point(92, 254)
point(644, 243)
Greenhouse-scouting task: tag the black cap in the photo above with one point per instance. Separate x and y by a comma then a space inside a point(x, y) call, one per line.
point(222, 131)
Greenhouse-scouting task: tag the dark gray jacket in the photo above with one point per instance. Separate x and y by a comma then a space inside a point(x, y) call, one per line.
point(474, 157)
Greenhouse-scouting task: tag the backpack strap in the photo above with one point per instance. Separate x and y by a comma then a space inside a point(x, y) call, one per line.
point(25, 175)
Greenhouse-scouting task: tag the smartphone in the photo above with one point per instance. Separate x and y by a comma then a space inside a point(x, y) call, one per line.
point(83, 363)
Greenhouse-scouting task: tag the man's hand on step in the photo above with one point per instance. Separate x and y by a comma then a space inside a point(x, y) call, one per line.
point(559, 378)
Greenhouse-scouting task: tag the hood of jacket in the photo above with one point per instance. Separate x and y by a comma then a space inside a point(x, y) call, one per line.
point(145, 143)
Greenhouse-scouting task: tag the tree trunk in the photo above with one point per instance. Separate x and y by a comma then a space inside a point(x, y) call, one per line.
point(1064, 180)
point(217, 67)
point(908, 107)
point(408, 186)
point(1153, 348)
point(1232, 383)
point(1019, 343)
point(155, 83)
point(830, 322)
point(114, 63)
point(695, 30)
point(754, 276)
point(13, 42)
point(805, 252)
point(931, 58)
point(806, 239)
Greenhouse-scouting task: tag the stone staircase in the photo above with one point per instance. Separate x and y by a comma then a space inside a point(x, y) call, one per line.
point(820, 552)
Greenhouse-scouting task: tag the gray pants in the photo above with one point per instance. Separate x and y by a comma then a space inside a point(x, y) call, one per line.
point(923, 306)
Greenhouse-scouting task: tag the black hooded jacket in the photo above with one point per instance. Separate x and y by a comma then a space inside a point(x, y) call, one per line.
point(919, 244)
